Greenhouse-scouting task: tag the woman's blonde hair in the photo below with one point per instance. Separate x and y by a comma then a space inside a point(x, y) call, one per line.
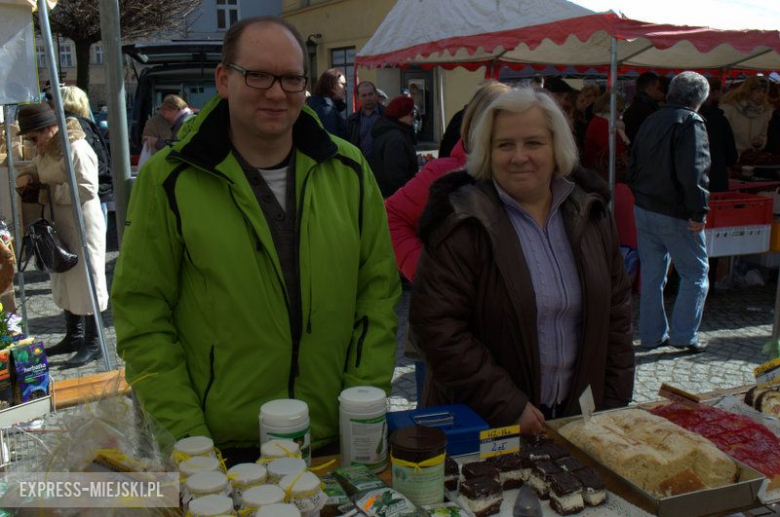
point(743, 91)
point(485, 94)
point(519, 100)
point(75, 100)
point(601, 105)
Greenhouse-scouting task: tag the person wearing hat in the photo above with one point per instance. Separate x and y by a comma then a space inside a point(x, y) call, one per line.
point(38, 124)
point(393, 158)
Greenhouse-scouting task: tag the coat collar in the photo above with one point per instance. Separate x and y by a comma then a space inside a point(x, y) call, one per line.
point(54, 145)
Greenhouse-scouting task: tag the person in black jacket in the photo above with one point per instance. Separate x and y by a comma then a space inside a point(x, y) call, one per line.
point(75, 103)
point(451, 134)
point(667, 173)
point(723, 150)
point(327, 101)
point(360, 123)
point(393, 158)
point(649, 92)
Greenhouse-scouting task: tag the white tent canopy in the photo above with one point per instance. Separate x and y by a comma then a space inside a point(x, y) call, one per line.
point(474, 33)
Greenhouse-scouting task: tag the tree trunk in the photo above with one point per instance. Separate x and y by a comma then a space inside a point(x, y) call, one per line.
point(82, 64)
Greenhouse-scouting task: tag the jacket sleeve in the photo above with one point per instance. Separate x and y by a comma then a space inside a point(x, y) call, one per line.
point(85, 167)
point(691, 164)
point(145, 293)
point(440, 315)
point(619, 379)
point(404, 209)
point(372, 350)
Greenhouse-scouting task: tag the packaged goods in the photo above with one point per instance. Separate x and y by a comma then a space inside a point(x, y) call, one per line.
point(259, 496)
point(243, 477)
point(287, 419)
point(304, 491)
point(363, 427)
point(192, 446)
point(31, 372)
point(444, 510)
point(336, 496)
point(211, 506)
point(198, 464)
point(383, 502)
point(206, 483)
point(6, 387)
point(767, 400)
point(357, 479)
point(417, 456)
point(277, 449)
point(279, 510)
point(277, 469)
point(649, 451)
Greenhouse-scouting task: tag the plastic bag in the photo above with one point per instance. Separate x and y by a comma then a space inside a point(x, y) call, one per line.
point(146, 153)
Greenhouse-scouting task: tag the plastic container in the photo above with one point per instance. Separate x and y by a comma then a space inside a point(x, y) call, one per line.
point(363, 426)
point(211, 506)
point(259, 496)
point(458, 421)
point(417, 454)
point(245, 476)
point(737, 240)
point(277, 469)
point(206, 483)
point(192, 446)
point(275, 449)
point(305, 492)
point(278, 510)
point(287, 419)
point(728, 209)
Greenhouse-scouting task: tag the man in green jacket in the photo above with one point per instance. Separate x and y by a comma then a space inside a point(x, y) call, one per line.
point(256, 263)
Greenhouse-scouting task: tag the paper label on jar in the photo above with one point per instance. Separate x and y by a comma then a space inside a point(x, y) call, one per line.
point(302, 438)
point(368, 442)
point(421, 486)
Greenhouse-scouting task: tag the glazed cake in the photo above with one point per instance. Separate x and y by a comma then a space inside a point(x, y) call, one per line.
point(480, 469)
point(565, 493)
point(540, 477)
point(451, 474)
point(509, 467)
point(593, 492)
point(482, 496)
point(569, 464)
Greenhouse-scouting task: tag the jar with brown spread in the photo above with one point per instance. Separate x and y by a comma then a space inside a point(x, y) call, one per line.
point(417, 454)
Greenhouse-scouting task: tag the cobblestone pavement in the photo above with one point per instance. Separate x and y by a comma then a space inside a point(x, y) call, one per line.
point(735, 326)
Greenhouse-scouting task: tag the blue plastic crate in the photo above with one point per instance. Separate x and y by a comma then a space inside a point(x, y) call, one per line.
point(459, 422)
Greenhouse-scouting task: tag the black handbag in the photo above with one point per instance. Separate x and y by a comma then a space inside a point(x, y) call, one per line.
point(42, 242)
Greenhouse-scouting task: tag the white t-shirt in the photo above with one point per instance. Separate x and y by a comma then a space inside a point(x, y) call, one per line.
point(277, 182)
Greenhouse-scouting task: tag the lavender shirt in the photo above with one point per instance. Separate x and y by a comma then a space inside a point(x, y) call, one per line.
point(557, 289)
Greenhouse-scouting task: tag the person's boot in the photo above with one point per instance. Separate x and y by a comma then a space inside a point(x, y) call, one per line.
point(74, 336)
point(90, 349)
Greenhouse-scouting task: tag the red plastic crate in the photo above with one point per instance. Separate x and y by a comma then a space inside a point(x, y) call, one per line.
point(738, 209)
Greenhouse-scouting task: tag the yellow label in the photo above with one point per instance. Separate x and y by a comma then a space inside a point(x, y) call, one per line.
point(768, 374)
point(499, 432)
point(498, 441)
point(774, 363)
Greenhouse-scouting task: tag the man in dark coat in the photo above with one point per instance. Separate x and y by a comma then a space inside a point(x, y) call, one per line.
point(393, 158)
point(360, 123)
point(668, 171)
point(649, 92)
point(723, 149)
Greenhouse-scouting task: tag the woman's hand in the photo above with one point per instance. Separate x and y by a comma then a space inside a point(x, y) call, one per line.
point(23, 180)
point(532, 420)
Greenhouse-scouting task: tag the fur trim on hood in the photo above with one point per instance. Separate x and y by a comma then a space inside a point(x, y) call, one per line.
point(440, 207)
point(54, 145)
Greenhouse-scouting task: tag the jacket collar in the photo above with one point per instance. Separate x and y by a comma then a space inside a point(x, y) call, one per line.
point(208, 142)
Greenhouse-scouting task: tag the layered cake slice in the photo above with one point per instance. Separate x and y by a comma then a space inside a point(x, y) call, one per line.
point(451, 474)
point(540, 477)
point(480, 469)
point(569, 464)
point(565, 493)
point(509, 467)
point(548, 451)
point(482, 495)
point(534, 440)
point(526, 464)
point(593, 492)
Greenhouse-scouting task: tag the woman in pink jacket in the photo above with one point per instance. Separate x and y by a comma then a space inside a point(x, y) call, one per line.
point(406, 205)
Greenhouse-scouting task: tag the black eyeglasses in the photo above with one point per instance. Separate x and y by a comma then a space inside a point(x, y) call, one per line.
point(265, 81)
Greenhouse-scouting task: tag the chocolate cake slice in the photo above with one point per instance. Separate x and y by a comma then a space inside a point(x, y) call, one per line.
point(482, 495)
point(451, 474)
point(540, 477)
point(565, 493)
point(593, 492)
point(548, 451)
point(569, 464)
point(509, 467)
point(534, 440)
point(526, 464)
point(480, 469)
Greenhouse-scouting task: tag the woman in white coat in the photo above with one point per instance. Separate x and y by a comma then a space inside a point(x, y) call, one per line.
point(70, 289)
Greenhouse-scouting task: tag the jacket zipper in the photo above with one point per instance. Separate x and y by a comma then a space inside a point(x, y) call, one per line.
point(211, 380)
point(359, 351)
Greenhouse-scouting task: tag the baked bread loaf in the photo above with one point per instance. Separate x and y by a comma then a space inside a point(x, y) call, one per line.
point(651, 452)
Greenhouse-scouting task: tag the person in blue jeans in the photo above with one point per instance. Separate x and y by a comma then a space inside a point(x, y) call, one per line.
point(668, 174)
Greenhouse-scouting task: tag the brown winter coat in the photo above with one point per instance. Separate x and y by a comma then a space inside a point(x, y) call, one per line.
point(473, 308)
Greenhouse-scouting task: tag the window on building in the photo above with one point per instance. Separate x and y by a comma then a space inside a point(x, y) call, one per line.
point(344, 60)
point(97, 54)
point(40, 51)
point(227, 13)
point(66, 55)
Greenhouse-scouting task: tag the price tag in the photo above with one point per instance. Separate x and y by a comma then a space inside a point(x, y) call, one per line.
point(587, 404)
point(768, 374)
point(498, 441)
point(678, 395)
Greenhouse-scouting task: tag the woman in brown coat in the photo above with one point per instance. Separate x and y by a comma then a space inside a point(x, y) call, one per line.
point(521, 300)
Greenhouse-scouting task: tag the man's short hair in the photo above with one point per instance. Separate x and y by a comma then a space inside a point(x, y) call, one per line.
point(689, 89)
point(233, 35)
point(369, 83)
point(646, 80)
point(327, 82)
point(519, 100)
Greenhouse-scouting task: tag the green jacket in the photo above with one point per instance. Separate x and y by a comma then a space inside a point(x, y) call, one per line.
point(200, 305)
